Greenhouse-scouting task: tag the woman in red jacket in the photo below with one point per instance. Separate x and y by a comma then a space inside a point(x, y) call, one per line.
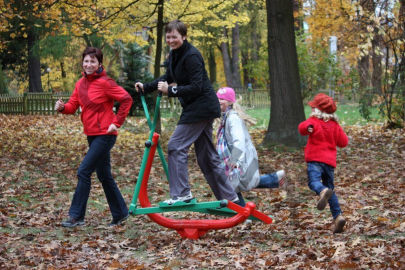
point(325, 134)
point(95, 93)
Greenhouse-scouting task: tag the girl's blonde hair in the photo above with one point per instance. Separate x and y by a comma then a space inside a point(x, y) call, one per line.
point(323, 115)
point(250, 121)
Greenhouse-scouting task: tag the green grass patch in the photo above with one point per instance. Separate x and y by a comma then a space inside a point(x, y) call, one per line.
point(262, 116)
point(348, 115)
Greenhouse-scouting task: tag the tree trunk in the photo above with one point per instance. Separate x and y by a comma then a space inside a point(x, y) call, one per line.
point(226, 60)
point(212, 66)
point(87, 40)
point(287, 110)
point(255, 36)
point(256, 44)
point(158, 56)
point(363, 67)
point(245, 62)
point(236, 79)
point(34, 64)
point(402, 71)
point(62, 70)
point(159, 37)
point(376, 76)
point(364, 63)
point(250, 40)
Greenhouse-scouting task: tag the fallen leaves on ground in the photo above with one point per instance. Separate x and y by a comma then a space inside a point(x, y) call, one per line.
point(39, 157)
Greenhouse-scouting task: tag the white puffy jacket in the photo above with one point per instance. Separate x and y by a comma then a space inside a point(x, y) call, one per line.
point(243, 153)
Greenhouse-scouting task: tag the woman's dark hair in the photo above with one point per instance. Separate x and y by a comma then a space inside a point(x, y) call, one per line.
point(93, 52)
point(176, 25)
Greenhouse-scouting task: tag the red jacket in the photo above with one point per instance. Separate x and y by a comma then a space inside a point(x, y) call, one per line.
point(95, 94)
point(322, 142)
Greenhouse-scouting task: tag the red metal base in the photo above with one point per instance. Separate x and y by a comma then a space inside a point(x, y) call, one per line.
point(193, 229)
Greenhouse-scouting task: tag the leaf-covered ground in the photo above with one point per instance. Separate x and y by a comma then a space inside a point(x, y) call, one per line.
point(39, 156)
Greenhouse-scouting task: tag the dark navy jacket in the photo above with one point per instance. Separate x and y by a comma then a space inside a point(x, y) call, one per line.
point(185, 67)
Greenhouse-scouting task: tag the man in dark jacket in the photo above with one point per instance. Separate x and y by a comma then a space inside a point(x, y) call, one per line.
point(189, 82)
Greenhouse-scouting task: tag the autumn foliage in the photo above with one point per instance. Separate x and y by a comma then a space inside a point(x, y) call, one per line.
point(39, 156)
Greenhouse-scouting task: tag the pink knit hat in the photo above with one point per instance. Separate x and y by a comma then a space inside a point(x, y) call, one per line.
point(226, 93)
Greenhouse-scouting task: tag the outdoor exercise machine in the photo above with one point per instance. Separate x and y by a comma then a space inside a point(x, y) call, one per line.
point(187, 228)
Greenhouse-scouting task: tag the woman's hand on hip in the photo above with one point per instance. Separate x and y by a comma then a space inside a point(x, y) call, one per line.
point(112, 128)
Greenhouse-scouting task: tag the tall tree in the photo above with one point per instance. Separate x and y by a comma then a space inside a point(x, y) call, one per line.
point(364, 60)
point(376, 55)
point(34, 62)
point(286, 110)
point(212, 66)
point(29, 22)
point(226, 58)
point(236, 74)
point(255, 41)
point(159, 37)
point(251, 43)
point(231, 55)
point(24, 22)
point(402, 71)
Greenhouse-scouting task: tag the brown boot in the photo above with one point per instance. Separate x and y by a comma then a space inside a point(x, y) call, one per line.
point(324, 197)
point(339, 224)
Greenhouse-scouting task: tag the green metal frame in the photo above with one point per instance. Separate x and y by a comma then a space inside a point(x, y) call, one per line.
point(214, 208)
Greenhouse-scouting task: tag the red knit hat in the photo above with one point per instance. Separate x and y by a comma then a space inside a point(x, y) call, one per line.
point(324, 103)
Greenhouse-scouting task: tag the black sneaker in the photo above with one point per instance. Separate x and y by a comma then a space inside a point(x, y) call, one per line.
point(118, 221)
point(72, 222)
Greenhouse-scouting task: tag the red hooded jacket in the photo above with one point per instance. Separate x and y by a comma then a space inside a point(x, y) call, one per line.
point(95, 94)
point(322, 142)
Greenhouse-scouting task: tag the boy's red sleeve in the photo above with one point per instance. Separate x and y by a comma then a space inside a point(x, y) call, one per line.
point(303, 127)
point(342, 139)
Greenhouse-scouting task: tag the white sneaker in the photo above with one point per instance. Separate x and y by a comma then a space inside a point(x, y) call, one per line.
point(248, 221)
point(280, 177)
point(235, 200)
point(185, 199)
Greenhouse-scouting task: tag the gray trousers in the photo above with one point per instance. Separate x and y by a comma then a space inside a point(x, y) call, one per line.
point(200, 134)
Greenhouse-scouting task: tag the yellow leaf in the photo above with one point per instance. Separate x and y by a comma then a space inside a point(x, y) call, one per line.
point(382, 219)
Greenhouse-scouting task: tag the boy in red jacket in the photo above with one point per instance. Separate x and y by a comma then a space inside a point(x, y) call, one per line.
point(320, 153)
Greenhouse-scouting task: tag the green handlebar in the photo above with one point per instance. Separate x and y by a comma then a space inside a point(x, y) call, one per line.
point(152, 126)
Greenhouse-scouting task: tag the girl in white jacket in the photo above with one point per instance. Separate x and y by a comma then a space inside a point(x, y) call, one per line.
point(238, 154)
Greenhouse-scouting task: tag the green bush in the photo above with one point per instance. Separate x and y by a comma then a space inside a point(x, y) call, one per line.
point(319, 70)
point(135, 69)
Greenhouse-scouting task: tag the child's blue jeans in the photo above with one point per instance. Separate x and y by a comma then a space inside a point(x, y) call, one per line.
point(320, 176)
point(266, 181)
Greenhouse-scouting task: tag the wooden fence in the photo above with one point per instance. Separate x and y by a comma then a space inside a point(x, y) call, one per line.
point(43, 103)
point(30, 103)
point(257, 98)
